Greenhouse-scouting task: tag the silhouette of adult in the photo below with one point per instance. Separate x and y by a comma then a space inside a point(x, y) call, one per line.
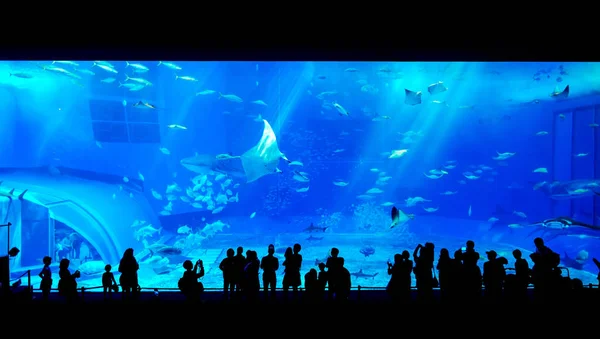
point(46, 275)
point(269, 264)
point(472, 272)
point(227, 266)
point(334, 266)
point(67, 285)
point(189, 284)
point(423, 257)
point(400, 278)
point(493, 276)
point(238, 273)
point(542, 271)
point(252, 283)
point(311, 286)
point(292, 277)
point(444, 271)
point(128, 267)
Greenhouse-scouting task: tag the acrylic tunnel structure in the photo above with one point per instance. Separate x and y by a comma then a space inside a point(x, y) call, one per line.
point(40, 203)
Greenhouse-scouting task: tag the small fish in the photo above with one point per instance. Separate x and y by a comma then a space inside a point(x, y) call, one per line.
point(540, 170)
point(470, 211)
point(398, 153)
point(206, 92)
point(520, 214)
point(66, 62)
point(231, 97)
point(106, 68)
point(341, 110)
point(144, 105)
point(20, 75)
point(85, 71)
point(186, 78)
point(302, 190)
point(252, 215)
point(105, 63)
point(295, 163)
point(175, 126)
point(540, 133)
point(137, 67)
point(141, 176)
point(170, 65)
point(165, 150)
point(259, 102)
point(108, 80)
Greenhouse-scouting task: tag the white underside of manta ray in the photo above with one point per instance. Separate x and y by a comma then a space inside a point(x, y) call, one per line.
point(258, 161)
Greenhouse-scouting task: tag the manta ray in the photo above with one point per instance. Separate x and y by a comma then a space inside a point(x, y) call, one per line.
point(572, 189)
point(258, 161)
point(555, 227)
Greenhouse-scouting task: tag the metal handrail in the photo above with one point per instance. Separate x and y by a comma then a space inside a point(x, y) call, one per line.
point(28, 273)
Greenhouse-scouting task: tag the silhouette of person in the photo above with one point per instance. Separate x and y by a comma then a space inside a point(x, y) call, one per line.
point(493, 276)
point(252, 282)
point(108, 282)
point(238, 276)
point(334, 267)
point(292, 278)
point(67, 285)
point(443, 267)
point(46, 275)
point(344, 283)
point(423, 257)
point(269, 264)
point(227, 266)
point(472, 272)
point(128, 267)
point(542, 270)
point(311, 286)
point(400, 277)
point(522, 275)
point(189, 284)
point(321, 281)
point(455, 278)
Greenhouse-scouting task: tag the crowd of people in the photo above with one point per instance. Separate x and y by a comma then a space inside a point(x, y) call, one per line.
point(458, 277)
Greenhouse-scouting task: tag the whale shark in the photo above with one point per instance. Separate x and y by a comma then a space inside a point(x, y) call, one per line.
point(258, 161)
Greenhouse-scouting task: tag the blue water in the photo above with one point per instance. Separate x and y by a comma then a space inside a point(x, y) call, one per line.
point(100, 148)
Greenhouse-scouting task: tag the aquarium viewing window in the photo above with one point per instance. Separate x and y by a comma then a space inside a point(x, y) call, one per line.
point(183, 160)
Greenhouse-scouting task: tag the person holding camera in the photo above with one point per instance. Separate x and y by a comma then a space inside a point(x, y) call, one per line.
point(189, 284)
point(400, 277)
point(67, 285)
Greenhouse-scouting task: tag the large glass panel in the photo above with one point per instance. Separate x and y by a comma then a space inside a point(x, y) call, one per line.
point(183, 160)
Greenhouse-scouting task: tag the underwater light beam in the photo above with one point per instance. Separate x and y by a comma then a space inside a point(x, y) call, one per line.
point(298, 89)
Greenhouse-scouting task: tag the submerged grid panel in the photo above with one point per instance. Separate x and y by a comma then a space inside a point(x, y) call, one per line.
point(113, 122)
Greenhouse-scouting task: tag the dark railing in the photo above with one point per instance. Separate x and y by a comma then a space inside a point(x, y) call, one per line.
point(358, 288)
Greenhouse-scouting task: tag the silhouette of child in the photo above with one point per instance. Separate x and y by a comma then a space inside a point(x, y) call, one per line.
point(46, 275)
point(108, 282)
